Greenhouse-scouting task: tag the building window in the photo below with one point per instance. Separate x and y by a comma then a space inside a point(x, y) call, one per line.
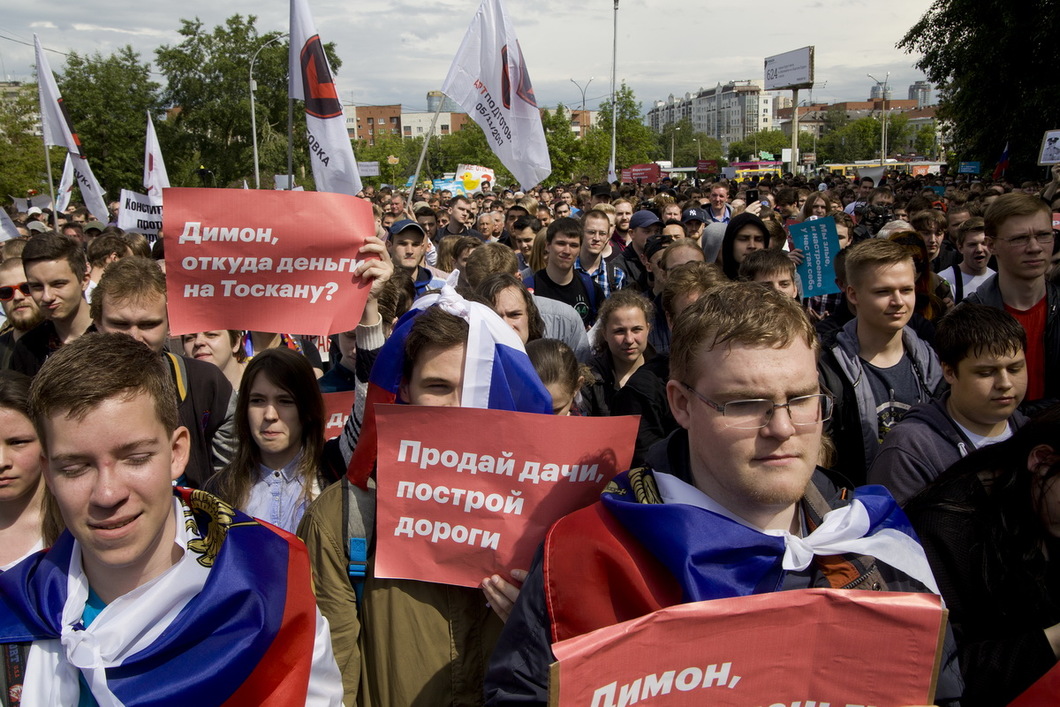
point(371, 121)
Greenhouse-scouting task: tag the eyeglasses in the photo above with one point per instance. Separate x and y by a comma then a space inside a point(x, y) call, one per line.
point(1025, 240)
point(7, 292)
point(756, 414)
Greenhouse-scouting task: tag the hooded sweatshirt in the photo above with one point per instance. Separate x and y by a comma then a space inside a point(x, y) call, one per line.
point(923, 445)
point(728, 262)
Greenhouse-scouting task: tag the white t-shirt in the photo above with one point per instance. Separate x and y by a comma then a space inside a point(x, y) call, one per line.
point(971, 282)
point(980, 441)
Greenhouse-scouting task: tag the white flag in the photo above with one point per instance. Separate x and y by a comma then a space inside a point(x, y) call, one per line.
point(8, 229)
point(58, 130)
point(489, 80)
point(66, 185)
point(330, 149)
point(155, 177)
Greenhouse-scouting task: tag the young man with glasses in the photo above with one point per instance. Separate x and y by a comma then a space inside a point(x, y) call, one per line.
point(1019, 232)
point(738, 477)
point(596, 249)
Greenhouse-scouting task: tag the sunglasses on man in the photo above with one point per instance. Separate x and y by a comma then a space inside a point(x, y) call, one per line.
point(8, 292)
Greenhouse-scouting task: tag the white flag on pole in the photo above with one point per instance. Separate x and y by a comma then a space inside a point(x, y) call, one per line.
point(58, 130)
point(330, 149)
point(155, 177)
point(489, 80)
point(66, 185)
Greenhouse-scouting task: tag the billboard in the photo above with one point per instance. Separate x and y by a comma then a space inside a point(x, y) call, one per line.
point(792, 69)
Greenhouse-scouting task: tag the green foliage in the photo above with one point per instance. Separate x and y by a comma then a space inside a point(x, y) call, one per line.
point(926, 141)
point(208, 76)
point(771, 141)
point(991, 61)
point(564, 147)
point(108, 98)
point(635, 141)
point(22, 166)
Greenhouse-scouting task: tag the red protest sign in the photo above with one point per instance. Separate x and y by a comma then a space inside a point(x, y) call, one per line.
point(707, 166)
point(810, 646)
point(337, 407)
point(264, 260)
point(647, 173)
point(464, 493)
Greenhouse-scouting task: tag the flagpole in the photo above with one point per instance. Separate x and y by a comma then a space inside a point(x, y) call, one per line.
point(51, 186)
point(423, 151)
point(612, 172)
point(290, 143)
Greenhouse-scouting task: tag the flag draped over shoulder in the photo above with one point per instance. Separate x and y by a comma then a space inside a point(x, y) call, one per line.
point(331, 152)
point(155, 177)
point(489, 80)
point(234, 620)
point(59, 130)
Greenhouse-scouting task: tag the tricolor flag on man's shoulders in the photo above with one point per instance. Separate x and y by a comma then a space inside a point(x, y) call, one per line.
point(1002, 164)
point(59, 130)
point(489, 80)
point(330, 149)
point(155, 176)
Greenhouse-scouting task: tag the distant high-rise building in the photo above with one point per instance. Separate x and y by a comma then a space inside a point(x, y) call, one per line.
point(921, 93)
point(727, 112)
point(877, 93)
point(434, 98)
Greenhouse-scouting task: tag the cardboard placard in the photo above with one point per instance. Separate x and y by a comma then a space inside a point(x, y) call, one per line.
point(464, 493)
point(265, 260)
point(809, 646)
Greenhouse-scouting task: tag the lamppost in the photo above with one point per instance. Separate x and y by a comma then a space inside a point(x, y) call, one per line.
point(699, 147)
point(883, 126)
point(673, 134)
point(253, 116)
point(583, 89)
point(611, 174)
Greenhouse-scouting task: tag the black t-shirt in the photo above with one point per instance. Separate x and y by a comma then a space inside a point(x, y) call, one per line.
point(573, 293)
point(895, 390)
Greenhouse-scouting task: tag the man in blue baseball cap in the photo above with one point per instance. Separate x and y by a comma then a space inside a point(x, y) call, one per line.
point(407, 245)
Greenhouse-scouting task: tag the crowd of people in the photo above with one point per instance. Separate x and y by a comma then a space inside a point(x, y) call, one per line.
point(143, 476)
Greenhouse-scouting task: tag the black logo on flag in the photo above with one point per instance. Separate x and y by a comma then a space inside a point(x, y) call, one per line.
point(321, 98)
point(524, 90)
point(70, 127)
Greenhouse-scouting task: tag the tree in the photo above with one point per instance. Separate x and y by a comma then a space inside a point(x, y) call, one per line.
point(22, 167)
point(108, 98)
point(988, 59)
point(207, 91)
point(771, 141)
point(926, 140)
point(634, 140)
point(564, 147)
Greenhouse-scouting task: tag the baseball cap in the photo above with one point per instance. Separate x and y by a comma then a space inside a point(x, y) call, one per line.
point(36, 227)
point(643, 219)
point(694, 214)
point(404, 225)
point(33, 210)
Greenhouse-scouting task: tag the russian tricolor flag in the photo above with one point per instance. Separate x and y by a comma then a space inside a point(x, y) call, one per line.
point(1002, 164)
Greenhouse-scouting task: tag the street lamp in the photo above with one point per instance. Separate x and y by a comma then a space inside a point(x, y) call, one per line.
point(673, 133)
point(582, 121)
point(253, 116)
point(612, 176)
point(883, 126)
point(699, 147)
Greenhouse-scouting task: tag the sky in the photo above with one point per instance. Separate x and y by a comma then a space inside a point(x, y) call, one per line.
point(395, 51)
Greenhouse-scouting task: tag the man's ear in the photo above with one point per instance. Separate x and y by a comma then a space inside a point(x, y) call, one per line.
point(949, 373)
point(679, 398)
point(852, 295)
point(181, 446)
